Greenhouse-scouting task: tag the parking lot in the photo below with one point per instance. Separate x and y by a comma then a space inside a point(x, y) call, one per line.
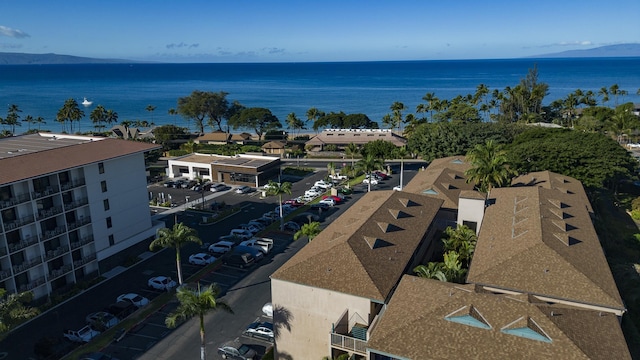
point(245, 290)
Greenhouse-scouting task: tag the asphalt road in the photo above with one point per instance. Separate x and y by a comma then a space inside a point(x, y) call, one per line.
point(246, 291)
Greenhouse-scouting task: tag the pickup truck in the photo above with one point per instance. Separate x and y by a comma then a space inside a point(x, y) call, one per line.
point(263, 244)
point(83, 335)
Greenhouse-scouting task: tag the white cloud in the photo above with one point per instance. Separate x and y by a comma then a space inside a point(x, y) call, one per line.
point(18, 34)
point(574, 43)
point(181, 45)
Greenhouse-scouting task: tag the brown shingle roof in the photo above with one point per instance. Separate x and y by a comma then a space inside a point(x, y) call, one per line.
point(367, 249)
point(542, 241)
point(33, 164)
point(218, 136)
point(356, 136)
point(551, 180)
point(415, 326)
point(444, 179)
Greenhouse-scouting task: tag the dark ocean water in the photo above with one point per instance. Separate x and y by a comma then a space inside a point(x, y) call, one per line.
point(352, 87)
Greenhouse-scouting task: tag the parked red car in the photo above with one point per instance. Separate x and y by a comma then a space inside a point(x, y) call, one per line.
point(336, 199)
point(292, 202)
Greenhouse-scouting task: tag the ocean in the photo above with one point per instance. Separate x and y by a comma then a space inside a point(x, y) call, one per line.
point(352, 87)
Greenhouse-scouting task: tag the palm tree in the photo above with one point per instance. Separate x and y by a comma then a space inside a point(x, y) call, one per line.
point(432, 101)
point(177, 237)
point(40, 120)
point(294, 123)
point(452, 267)
point(489, 167)
point(462, 240)
point(29, 120)
point(368, 164)
point(278, 189)
point(13, 117)
point(401, 153)
point(111, 117)
point(70, 112)
point(313, 114)
point(432, 270)
point(604, 92)
point(150, 108)
point(14, 309)
point(197, 303)
point(98, 116)
point(310, 230)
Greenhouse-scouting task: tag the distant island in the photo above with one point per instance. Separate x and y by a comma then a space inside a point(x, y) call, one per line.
point(41, 59)
point(620, 50)
point(6, 58)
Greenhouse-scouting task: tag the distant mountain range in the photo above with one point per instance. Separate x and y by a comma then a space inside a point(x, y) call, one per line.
point(621, 50)
point(40, 59)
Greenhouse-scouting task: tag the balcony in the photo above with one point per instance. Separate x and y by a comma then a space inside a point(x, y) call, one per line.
point(76, 204)
point(84, 241)
point(33, 284)
point(54, 253)
point(27, 265)
point(12, 225)
point(19, 199)
point(72, 184)
point(60, 271)
point(83, 220)
point(49, 190)
point(42, 214)
point(347, 343)
point(84, 260)
point(4, 274)
point(48, 234)
point(27, 241)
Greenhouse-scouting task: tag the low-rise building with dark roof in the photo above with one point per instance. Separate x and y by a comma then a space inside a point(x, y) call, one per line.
point(430, 319)
point(241, 169)
point(538, 286)
point(343, 137)
point(339, 283)
point(222, 138)
point(69, 205)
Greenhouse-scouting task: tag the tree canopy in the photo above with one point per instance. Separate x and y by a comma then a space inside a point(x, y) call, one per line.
point(594, 159)
point(437, 140)
point(201, 105)
point(341, 120)
point(258, 119)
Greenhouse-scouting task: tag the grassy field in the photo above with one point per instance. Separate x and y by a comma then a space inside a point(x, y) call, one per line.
point(620, 238)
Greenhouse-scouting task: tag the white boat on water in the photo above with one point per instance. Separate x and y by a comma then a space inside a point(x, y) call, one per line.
point(87, 102)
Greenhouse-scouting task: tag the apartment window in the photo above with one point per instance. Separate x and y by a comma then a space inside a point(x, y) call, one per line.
point(105, 202)
point(112, 240)
point(109, 224)
point(103, 184)
point(101, 168)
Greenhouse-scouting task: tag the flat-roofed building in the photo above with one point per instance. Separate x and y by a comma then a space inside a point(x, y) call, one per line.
point(68, 205)
point(241, 169)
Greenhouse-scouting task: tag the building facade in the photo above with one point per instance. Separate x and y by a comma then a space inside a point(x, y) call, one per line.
point(67, 205)
point(241, 169)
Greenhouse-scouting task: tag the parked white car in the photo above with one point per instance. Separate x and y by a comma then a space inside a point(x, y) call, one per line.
point(161, 283)
point(201, 259)
point(243, 189)
point(328, 201)
point(133, 298)
point(242, 234)
point(83, 335)
point(263, 244)
point(323, 184)
point(373, 181)
point(221, 247)
point(251, 228)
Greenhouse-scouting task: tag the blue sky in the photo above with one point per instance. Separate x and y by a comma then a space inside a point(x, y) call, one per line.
point(328, 30)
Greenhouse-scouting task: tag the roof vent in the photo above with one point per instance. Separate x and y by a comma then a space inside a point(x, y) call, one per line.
point(399, 214)
point(376, 243)
point(468, 315)
point(526, 328)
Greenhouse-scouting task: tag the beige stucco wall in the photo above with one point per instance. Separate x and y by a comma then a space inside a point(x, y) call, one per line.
point(312, 311)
